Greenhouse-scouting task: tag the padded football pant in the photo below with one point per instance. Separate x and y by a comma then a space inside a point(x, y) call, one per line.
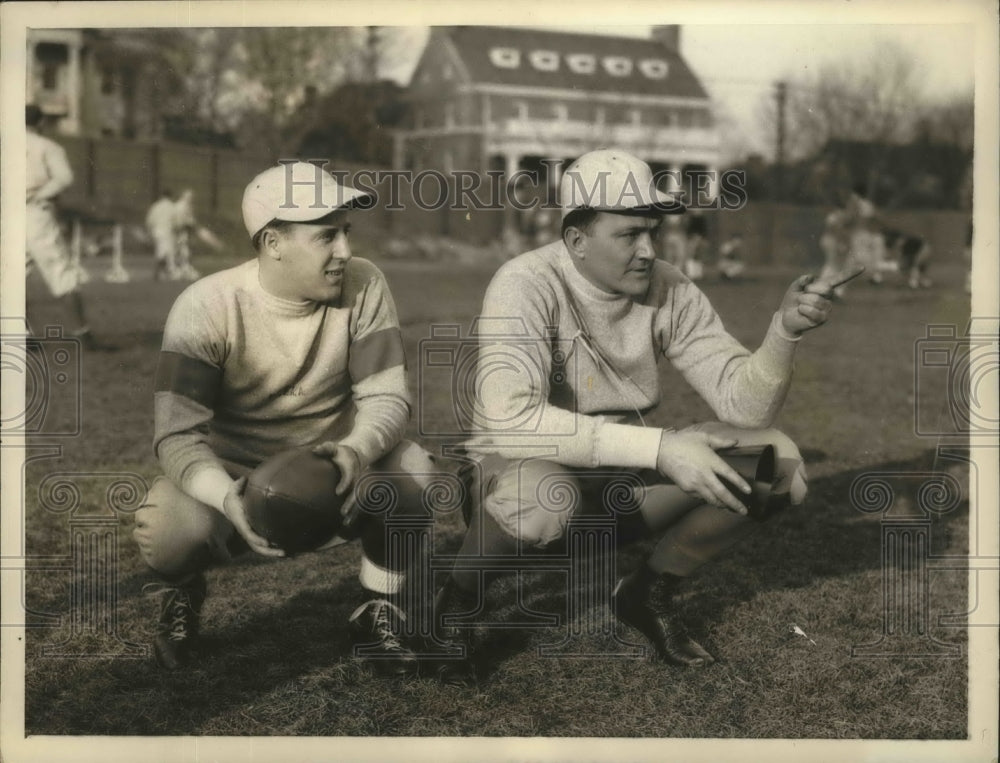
point(178, 535)
point(530, 503)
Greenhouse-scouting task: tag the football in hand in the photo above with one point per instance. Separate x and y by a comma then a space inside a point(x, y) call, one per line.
point(291, 500)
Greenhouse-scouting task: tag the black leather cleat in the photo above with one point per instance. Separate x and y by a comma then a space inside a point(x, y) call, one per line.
point(663, 629)
point(180, 618)
point(375, 627)
point(453, 667)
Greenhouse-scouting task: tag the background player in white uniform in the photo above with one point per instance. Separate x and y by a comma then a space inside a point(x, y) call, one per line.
point(867, 247)
point(48, 175)
point(160, 225)
point(184, 225)
point(731, 264)
point(298, 347)
point(835, 244)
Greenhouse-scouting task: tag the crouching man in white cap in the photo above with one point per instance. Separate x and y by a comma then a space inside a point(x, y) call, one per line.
point(299, 346)
point(570, 337)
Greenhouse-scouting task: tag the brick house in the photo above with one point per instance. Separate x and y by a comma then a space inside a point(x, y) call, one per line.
point(500, 98)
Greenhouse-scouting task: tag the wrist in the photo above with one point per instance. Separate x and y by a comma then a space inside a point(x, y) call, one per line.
point(779, 328)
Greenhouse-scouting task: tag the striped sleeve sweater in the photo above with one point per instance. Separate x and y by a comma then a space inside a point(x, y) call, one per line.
point(244, 375)
point(562, 364)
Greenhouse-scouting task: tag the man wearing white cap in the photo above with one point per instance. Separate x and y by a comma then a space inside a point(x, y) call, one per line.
point(570, 337)
point(299, 346)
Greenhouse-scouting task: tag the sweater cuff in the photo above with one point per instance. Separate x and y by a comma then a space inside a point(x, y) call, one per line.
point(210, 485)
point(778, 329)
point(365, 444)
point(627, 445)
point(775, 355)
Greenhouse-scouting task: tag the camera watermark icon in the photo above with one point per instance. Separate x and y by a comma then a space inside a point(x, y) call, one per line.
point(956, 381)
point(50, 370)
point(907, 559)
point(500, 378)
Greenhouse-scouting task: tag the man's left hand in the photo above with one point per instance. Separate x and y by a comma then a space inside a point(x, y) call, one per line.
point(803, 309)
point(349, 463)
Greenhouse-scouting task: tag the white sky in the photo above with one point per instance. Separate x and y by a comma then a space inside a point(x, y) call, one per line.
point(740, 64)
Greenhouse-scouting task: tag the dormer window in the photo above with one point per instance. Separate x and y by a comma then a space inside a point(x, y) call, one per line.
point(544, 60)
point(505, 58)
point(617, 66)
point(654, 68)
point(581, 63)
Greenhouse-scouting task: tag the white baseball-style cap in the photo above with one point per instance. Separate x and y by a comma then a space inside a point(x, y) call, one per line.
point(296, 192)
point(610, 180)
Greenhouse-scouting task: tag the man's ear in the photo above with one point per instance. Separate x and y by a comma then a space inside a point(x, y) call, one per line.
point(269, 244)
point(576, 242)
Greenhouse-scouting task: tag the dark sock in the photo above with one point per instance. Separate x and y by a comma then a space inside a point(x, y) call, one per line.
point(483, 538)
point(698, 537)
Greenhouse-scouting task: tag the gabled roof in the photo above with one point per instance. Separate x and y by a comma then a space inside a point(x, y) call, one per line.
point(568, 60)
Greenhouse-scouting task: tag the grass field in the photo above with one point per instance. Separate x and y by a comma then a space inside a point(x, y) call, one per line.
point(277, 661)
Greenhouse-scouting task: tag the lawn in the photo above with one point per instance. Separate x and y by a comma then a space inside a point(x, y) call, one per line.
point(276, 658)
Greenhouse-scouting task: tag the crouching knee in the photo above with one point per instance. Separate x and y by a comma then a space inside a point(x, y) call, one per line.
point(533, 501)
point(175, 533)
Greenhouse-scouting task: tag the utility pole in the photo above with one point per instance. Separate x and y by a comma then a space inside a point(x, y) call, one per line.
point(781, 95)
point(371, 50)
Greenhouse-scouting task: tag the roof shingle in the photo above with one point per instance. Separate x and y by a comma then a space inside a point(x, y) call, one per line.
point(486, 53)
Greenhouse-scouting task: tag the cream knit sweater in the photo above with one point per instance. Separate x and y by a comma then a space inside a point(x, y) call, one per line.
point(562, 363)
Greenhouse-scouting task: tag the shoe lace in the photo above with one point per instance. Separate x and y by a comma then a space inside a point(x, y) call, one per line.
point(176, 605)
point(382, 625)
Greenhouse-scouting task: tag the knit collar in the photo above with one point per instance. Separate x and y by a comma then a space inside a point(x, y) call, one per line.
point(292, 308)
point(578, 283)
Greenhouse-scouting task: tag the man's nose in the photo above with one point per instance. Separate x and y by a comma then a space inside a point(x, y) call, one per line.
point(644, 247)
point(341, 248)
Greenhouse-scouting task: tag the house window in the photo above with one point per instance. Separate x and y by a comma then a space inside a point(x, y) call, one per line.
point(560, 111)
point(505, 58)
point(52, 59)
point(599, 115)
point(581, 63)
point(654, 68)
point(522, 109)
point(617, 66)
point(50, 76)
point(544, 60)
point(635, 117)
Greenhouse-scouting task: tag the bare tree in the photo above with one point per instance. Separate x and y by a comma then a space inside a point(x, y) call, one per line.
point(871, 99)
point(950, 121)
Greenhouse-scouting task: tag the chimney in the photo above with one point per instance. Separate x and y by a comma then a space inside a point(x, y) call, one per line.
point(669, 36)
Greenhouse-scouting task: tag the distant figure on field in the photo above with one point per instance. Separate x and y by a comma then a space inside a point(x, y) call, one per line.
point(866, 246)
point(697, 238)
point(731, 264)
point(184, 225)
point(835, 243)
point(913, 254)
point(160, 225)
point(48, 255)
